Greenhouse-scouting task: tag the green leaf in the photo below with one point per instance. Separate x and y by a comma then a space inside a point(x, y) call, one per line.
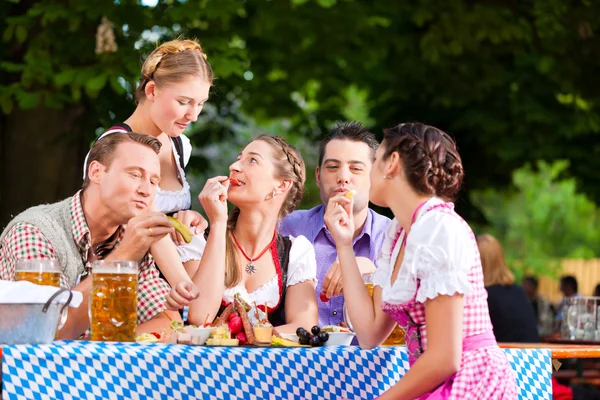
point(116, 85)
point(7, 104)
point(64, 77)
point(21, 33)
point(75, 92)
point(96, 84)
point(8, 33)
point(327, 3)
point(28, 100)
point(11, 67)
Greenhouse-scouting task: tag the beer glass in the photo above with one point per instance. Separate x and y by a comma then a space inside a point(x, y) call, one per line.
point(368, 280)
point(113, 303)
point(397, 335)
point(43, 271)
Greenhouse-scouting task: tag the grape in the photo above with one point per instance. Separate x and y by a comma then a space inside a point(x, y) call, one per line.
point(300, 331)
point(314, 341)
point(315, 330)
point(304, 340)
point(305, 334)
point(323, 337)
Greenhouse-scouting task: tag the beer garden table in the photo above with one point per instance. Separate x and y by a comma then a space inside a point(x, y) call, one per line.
point(79, 369)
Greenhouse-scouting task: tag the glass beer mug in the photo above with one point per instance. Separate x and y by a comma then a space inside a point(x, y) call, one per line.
point(397, 335)
point(113, 303)
point(43, 271)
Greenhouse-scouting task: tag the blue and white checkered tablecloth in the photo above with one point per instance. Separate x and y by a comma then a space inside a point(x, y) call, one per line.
point(91, 370)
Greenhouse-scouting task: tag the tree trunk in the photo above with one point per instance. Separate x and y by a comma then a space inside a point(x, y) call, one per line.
point(41, 157)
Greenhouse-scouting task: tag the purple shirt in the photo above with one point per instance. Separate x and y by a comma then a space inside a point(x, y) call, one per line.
point(311, 224)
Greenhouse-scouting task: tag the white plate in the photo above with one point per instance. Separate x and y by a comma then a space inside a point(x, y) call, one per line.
point(199, 335)
point(340, 339)
point(290, 336)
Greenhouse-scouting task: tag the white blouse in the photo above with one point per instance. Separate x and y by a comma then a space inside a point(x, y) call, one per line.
point(302, 267)
point(439, 254)
point(168, 201)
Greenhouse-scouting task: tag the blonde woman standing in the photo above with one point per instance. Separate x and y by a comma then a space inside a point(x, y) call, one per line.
point(175, 83)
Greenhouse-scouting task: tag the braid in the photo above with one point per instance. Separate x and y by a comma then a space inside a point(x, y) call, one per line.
point(295, 196)
point(172, 60)
point(289, 166)
point(431, 162)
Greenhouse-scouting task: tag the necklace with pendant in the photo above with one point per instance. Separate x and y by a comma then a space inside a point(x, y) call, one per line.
point(251, 267)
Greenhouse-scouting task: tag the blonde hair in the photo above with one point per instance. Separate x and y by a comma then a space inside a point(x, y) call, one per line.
point(289, 165)
point(495, 270)
point(171, 62)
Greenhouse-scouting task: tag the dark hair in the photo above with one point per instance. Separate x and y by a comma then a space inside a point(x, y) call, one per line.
point(353, 131)
point(569, 280)
point(531, 279)
point(104, 149)
point(431, 162)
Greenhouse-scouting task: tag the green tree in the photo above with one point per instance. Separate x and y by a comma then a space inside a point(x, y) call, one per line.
point(512, 81)
point(542, 220)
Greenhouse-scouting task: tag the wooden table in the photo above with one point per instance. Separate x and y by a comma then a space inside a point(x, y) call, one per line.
point(559, 350)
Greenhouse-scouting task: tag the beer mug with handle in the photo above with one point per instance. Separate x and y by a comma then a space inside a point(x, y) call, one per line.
point(113, 302)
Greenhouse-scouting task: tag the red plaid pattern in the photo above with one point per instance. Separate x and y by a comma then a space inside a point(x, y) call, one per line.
point(25, 241)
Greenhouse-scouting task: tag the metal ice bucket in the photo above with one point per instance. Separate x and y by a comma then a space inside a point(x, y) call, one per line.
point(33, 323)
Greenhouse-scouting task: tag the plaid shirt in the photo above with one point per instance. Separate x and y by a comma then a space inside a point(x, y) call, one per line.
point(25, 241)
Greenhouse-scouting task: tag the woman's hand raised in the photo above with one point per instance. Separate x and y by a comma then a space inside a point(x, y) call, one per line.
point(214, 199)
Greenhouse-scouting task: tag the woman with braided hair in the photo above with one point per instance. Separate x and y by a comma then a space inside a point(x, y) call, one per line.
point(176, 79)
point(429, 277)
point(244, 254)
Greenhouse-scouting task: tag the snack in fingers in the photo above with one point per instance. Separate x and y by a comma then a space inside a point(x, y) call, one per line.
point(234, 182)
point(181, 228)
point(350, 194)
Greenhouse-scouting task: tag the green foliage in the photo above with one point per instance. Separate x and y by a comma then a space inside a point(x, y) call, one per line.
point(511, 81)
point(544, 219)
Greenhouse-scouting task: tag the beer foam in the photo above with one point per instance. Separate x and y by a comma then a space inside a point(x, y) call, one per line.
point(114, 270)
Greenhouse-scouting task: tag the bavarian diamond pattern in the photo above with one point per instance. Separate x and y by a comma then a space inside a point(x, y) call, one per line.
point(90, 370)
point(533, 368)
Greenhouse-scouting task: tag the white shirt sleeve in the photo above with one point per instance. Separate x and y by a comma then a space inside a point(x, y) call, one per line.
point(440, 253)
point(382, 274)
point(302, 265)
point(194, 249)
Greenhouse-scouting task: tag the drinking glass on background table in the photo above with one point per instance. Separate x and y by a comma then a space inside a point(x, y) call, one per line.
point(43, 271)
point(113, 303)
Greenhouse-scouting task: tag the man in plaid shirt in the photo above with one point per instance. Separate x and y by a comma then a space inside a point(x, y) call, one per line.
point(110, 219)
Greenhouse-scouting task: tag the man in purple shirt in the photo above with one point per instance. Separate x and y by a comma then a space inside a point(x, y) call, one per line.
point(345, 159)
